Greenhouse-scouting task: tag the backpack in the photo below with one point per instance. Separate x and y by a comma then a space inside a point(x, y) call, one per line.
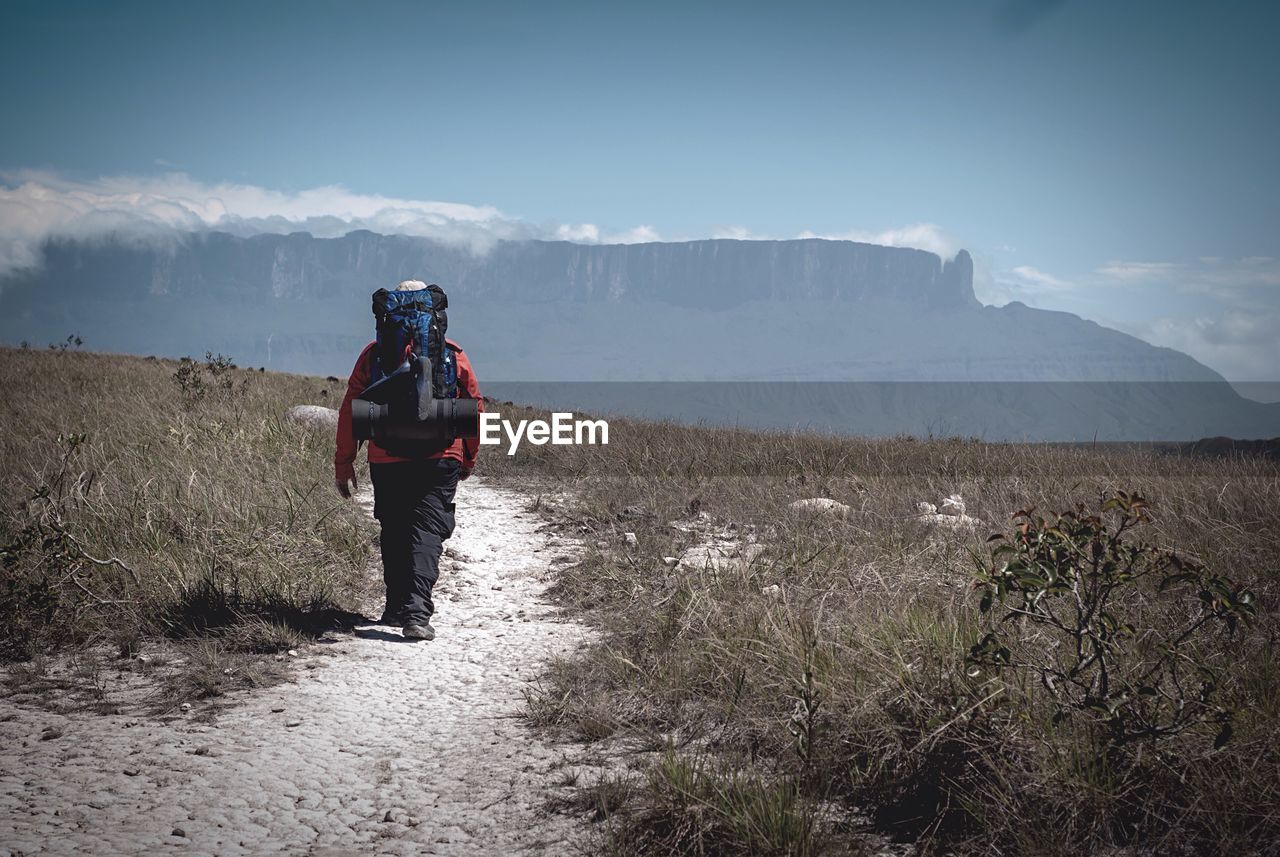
point(411, 329)
point(414, 323)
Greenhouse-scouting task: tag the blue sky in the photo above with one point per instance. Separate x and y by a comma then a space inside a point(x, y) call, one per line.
point(1117, 160)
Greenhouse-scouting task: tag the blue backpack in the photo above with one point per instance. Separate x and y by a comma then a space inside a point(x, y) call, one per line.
point(414, 322)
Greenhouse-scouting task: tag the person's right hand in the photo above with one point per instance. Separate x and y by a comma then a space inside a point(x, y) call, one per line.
point(343, 489)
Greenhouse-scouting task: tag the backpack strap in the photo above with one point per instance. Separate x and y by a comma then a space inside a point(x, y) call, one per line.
point(439, 300)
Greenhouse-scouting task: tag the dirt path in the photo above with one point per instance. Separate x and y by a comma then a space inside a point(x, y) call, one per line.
point(385, 747)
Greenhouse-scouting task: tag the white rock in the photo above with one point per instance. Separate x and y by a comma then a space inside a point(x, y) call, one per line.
point(954, 521)
point(773, 590)
point(702, 557)
point(670, 561)
point(314, 416)
point(720, 556)
point(631, 540)
point(952, 514)
point(820, 506)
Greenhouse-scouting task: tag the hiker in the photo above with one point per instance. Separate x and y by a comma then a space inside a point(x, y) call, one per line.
point(413, 489)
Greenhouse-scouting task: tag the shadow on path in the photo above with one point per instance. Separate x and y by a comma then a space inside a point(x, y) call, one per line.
point(385, 636)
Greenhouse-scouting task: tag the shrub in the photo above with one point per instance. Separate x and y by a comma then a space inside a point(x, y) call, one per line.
point(214, 377)
point(1107, 624)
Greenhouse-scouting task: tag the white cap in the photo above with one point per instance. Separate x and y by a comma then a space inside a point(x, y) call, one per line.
point(411, 286)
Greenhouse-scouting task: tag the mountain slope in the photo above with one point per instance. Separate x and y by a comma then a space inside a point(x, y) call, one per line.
point(716, 310)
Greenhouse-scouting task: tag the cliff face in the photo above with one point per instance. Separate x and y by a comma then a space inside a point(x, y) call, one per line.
point(712, 274)
point(852, 337)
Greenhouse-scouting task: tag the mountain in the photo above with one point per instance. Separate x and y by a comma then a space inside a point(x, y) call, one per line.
point(712, 274)
point(811, 330)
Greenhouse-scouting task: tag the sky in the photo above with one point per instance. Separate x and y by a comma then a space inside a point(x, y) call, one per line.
point(1119, 160)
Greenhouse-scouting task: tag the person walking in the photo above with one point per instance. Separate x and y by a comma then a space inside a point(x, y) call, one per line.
point(413, 498)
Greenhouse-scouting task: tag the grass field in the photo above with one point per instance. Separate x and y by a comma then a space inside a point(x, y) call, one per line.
point(1120, 689)
point(157, 500)
point(1134, 700)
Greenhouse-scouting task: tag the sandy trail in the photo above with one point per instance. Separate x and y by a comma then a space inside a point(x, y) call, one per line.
point(384, 747)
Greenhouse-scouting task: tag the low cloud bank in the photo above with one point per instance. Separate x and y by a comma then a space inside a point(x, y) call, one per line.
point(37, 205)
point(919, 236)
point(1225, 312)
point(1243, 346)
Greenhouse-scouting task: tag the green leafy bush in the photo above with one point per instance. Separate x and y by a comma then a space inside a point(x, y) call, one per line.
point(1107, 623)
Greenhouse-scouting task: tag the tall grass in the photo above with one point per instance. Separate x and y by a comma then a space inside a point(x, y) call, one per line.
point(831, 673)
point(155, 497)
point(852, 681)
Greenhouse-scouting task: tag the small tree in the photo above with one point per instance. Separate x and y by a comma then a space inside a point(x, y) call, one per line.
point(1076, 597)
point(190, 380)
point(216, 375)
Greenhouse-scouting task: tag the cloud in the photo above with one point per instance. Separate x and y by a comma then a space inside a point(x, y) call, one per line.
point(1234, 322)
point(1137, 270)
point(1041, 279)
point(740, 233)
point(1242, 346)
point(635, 235)
point(589, 233)
point(921, 236)
point(1209, 274)
point(35, 206)
point(1235, 327)
point(917, 236)
point(1024, 283)
point(38, 205)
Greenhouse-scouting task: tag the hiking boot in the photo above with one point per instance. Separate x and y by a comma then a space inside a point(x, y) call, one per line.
point(419, 630)
point(389, 617)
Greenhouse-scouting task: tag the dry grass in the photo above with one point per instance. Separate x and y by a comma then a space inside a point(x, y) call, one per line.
point(826, 674)
point(848, 684)
point(149, 499)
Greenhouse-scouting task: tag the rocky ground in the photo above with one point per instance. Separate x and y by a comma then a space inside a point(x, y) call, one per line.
point(382, 746)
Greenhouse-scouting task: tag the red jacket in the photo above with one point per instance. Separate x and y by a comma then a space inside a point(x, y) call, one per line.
point(347, 446)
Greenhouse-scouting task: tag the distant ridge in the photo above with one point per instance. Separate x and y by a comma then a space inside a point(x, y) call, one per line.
point(900, 328)
point(711, 273)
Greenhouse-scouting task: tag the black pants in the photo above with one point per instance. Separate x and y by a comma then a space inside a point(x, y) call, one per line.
point(413, 501)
